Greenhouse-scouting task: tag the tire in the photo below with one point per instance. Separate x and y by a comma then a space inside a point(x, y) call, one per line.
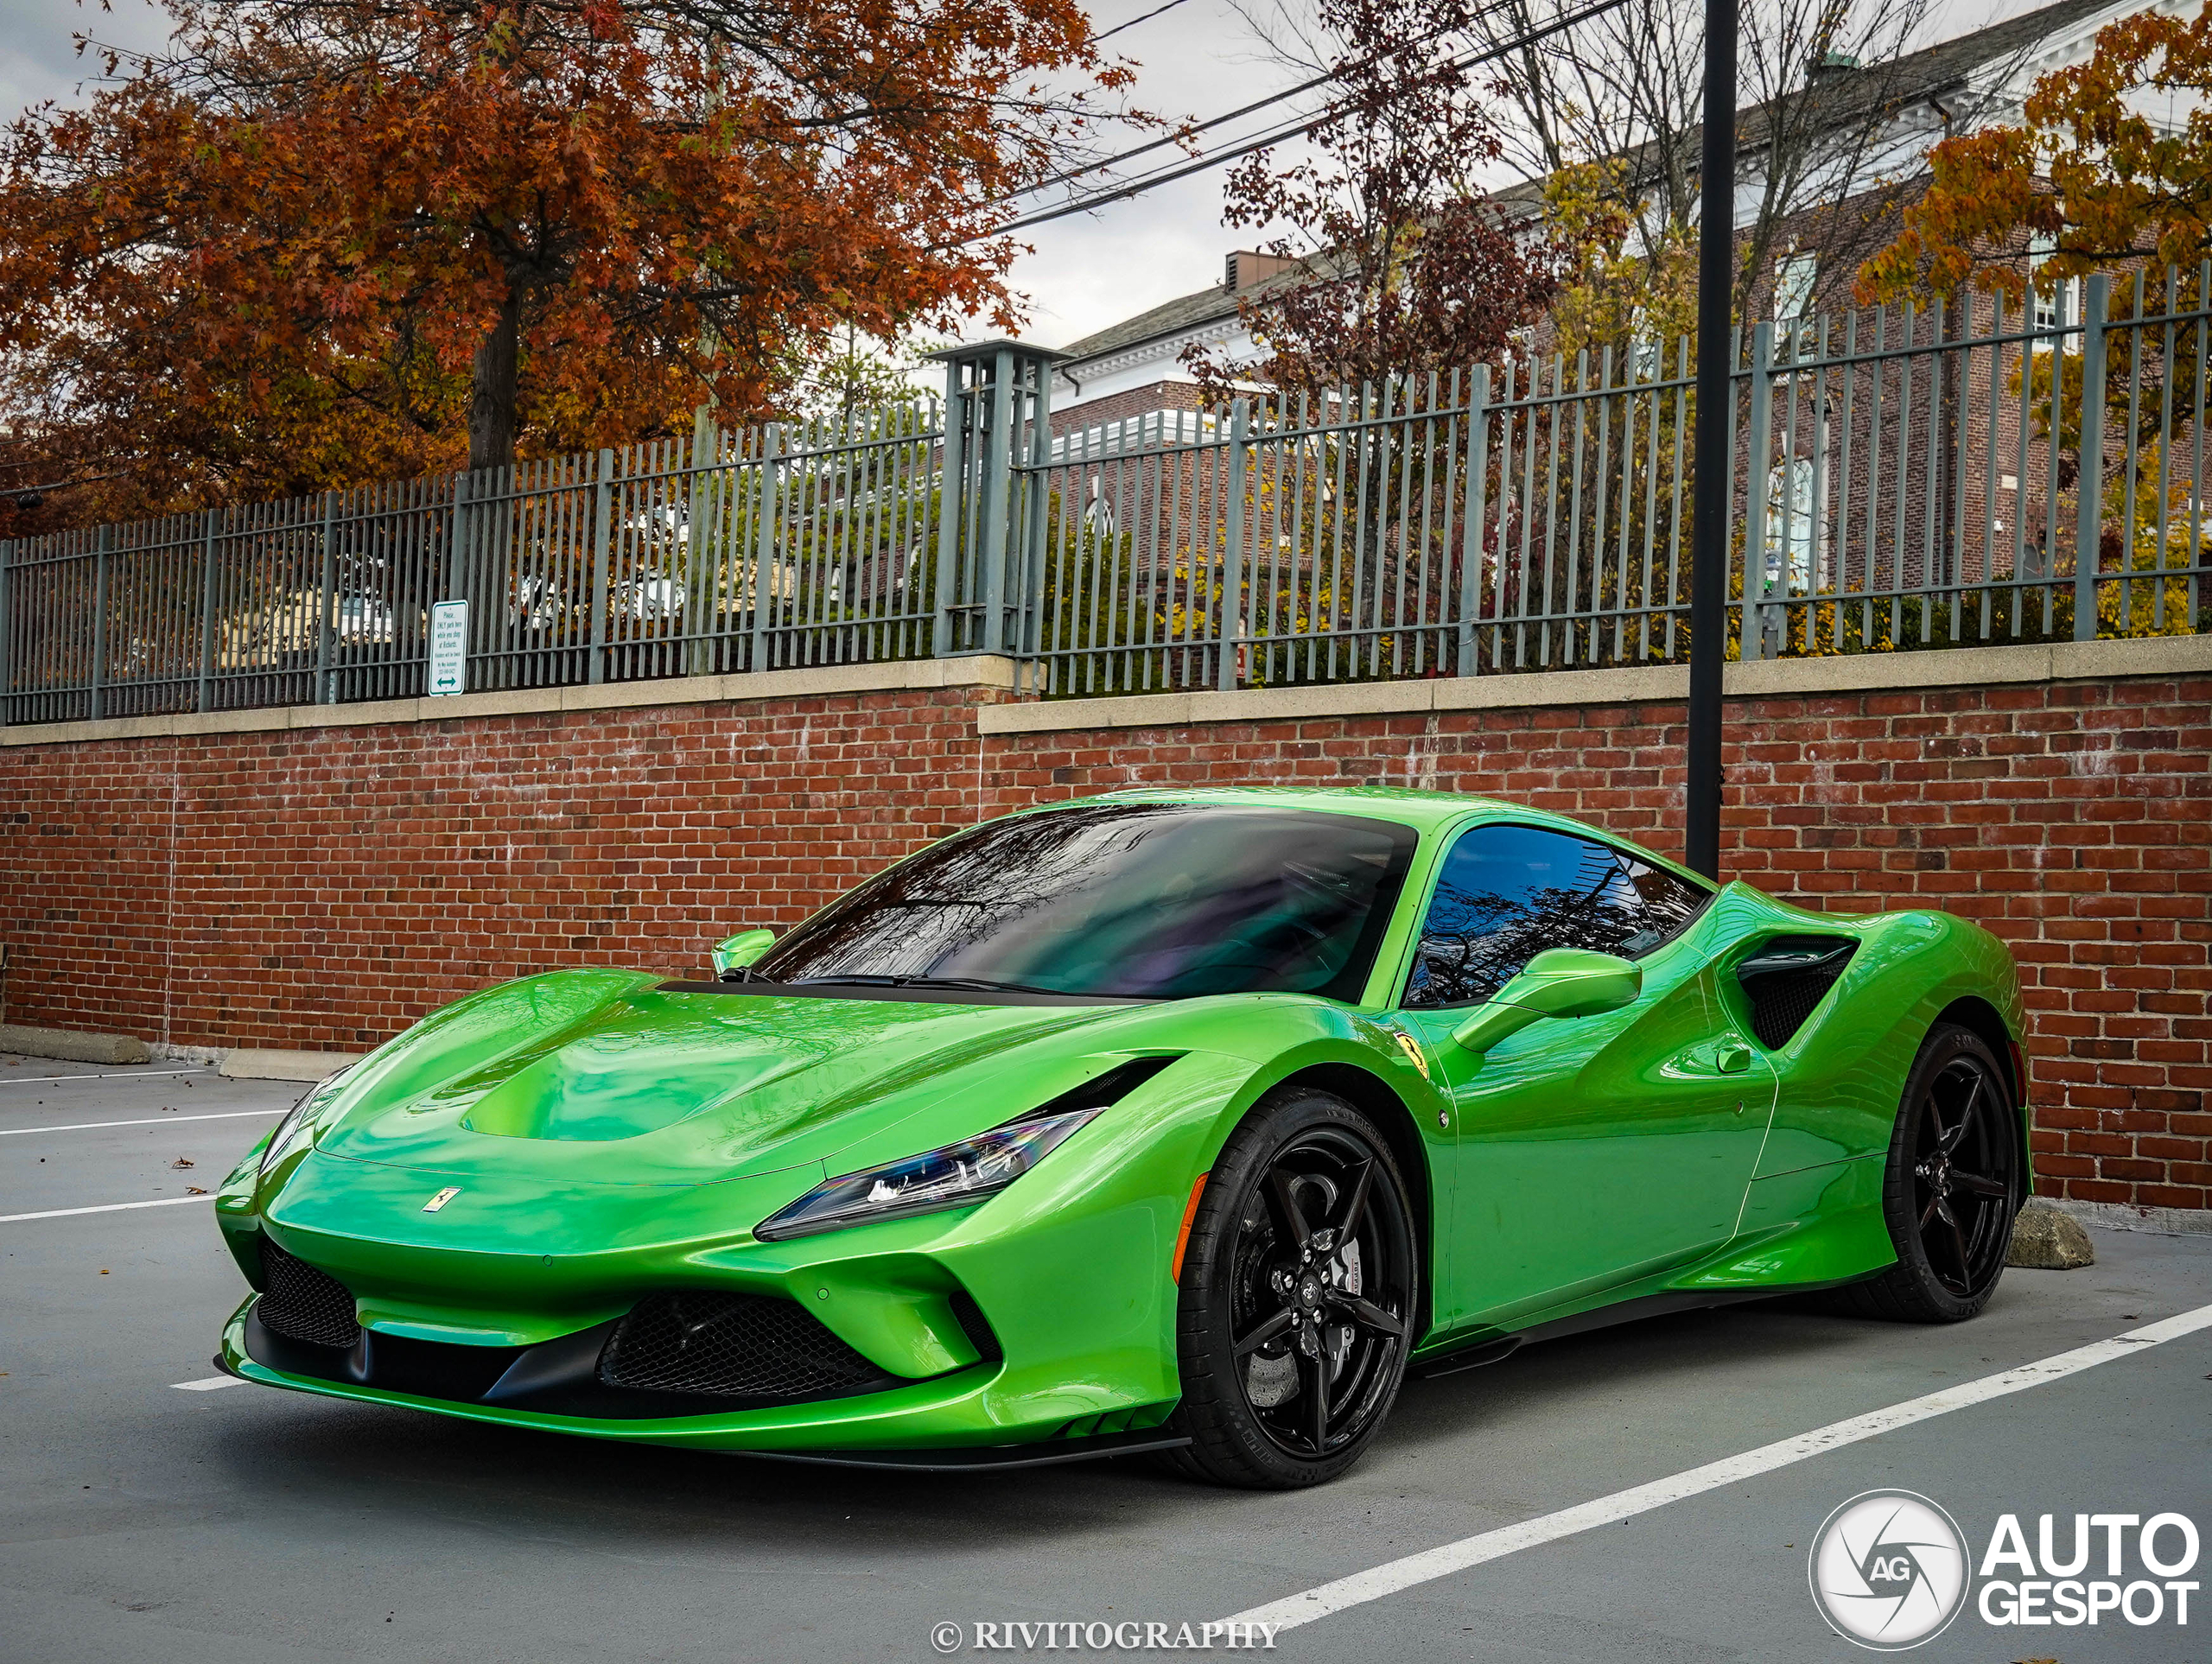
point(1269, 1330)
point(1952, 1186)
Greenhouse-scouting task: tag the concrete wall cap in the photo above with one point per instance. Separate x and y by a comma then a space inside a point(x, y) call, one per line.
point(1972, 667)
point(993, 672)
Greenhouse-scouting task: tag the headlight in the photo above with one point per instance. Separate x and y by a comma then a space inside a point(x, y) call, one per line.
point(298, 1126)
point(958, 1176)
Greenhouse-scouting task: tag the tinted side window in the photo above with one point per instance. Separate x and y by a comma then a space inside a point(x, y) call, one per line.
point(1508, 893)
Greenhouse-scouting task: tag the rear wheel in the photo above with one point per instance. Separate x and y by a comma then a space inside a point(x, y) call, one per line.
point(1952, 1186)
point(1296, 1313)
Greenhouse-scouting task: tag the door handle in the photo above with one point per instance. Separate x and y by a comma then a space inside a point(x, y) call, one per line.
point(1733, 1057)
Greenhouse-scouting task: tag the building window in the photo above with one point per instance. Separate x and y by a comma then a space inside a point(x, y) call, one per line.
point(2056, 302)
point(1795, 277)
point(1791, 515)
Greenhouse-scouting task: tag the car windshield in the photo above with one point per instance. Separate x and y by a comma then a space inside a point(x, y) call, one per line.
point(1144, 900)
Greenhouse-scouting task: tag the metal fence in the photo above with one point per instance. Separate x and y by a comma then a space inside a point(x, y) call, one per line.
point(1902, 477)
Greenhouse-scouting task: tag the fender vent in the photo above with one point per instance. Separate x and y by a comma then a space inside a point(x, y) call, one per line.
point(974, 1325)
point(733, 1346)
point(1787, 978)
point(302, 1304)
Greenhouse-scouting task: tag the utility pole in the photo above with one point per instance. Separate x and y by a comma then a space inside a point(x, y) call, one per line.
point(1716, 277)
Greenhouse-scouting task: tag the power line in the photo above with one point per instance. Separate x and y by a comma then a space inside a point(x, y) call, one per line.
point(1143, 18)
point(1150, 145)
point(1169, 175)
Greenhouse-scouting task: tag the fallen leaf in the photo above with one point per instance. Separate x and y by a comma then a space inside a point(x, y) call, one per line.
point(194, 1190)
point(103, 1271)
point(181, 1162)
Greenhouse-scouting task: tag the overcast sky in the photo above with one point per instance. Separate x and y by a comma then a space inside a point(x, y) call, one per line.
point(1088, 271)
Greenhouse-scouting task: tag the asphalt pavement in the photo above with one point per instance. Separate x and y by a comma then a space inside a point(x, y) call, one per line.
point(140, 1521)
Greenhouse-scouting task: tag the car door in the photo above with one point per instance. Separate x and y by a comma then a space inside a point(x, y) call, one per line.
point(1596, 1150)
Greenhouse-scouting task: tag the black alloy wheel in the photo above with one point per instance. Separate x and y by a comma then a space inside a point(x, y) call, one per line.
point(1954, 1183)
point(1964, 1215)
point(1297, 1307)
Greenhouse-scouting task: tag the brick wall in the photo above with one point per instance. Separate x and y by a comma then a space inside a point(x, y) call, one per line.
point(322, 888)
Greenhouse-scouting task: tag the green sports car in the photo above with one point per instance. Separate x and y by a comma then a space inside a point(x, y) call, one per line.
point(1185, 1122)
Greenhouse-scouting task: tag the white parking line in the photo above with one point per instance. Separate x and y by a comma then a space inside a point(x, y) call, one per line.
point(1424, 1568)
point(148, 1120)
point(130, 1075)
point(105, 1207)
point(213, 1383)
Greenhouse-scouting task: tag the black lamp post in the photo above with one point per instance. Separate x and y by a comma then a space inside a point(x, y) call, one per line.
point(1716, 271)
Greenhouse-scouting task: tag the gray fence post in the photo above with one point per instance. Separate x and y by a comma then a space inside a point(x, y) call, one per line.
point(325, 627)
point(205, 695)
point(996, 484)
point(1230, 619)
point(602, 538)
point(1470, 541)
point(1037, 531)
point(763, 543)
point(99, 618)
point(1762, 441)
point(7, 634)
point(693, 615)
point(462, 530)
point(951, 509)
point(2089, 525)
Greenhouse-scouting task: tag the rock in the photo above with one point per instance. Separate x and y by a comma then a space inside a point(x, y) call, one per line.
point(249, 1064)
point(2044, 1239)
point(71, 1046)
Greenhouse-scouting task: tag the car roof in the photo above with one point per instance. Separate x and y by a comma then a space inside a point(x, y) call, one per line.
point(1424, 811)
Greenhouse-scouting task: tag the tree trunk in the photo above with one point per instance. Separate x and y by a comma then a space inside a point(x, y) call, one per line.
point(491, 394)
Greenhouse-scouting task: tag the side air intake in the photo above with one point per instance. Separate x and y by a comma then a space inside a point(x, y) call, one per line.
point(303, 1303)
point(974, 1324)
point(1787, 978)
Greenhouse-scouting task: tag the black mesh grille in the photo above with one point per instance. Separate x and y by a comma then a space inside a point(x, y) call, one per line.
point(749, 1345)
point(302, 1304)
point(969, 1316)
point(1787, 978)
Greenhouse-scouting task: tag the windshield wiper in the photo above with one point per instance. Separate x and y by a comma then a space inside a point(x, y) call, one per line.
point(974, 984)
point(982, 985)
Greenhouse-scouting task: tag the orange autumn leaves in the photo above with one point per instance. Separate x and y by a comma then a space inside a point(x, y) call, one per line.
point(310, 251)
point(2085, 167)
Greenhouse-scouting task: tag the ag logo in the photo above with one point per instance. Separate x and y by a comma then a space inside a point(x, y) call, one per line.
point(1889, 1570)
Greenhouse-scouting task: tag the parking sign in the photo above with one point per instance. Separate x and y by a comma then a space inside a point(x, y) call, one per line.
point(448, 646)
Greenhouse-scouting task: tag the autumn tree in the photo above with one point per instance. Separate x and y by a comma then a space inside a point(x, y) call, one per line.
point(2091, 180)
point(2086, 170)
point(1610, 112)
point(1403, 264)
point(330, 240)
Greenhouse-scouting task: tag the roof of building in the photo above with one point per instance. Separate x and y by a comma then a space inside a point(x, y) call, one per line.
point(1852, 96)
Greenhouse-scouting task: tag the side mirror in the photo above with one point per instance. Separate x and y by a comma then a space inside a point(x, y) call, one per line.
point(1557, 982)
point(741, 949)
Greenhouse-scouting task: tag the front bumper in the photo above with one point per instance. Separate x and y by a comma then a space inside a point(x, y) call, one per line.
point(1050, 1320)
point(946, 1423)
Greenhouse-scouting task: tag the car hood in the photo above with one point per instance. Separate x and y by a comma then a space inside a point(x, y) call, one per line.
point(611, 1079)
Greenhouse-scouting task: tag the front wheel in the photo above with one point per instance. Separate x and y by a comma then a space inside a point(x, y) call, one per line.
point(1953, 1185)
point(1298, 1299)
